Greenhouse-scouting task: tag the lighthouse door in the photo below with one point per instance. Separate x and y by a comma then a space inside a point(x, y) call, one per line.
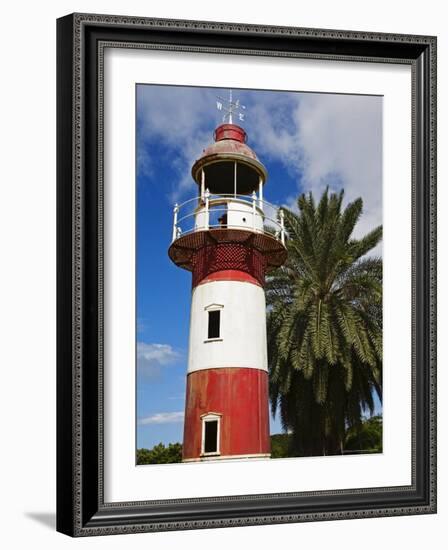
point(211, 424)
point(211, 436)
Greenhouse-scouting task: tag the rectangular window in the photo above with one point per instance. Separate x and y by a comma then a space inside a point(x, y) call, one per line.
point(211, 436)
point(214, 321)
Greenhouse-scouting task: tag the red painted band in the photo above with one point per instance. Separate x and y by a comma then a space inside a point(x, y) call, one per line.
point(230, 275)
point(239, 396)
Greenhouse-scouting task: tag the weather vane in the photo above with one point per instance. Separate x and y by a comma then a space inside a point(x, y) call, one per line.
point(230, 108)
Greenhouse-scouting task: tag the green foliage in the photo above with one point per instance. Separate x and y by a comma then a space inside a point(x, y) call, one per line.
point(324, 325)
point(365, 437)
point(160, 454)
point(280, 444)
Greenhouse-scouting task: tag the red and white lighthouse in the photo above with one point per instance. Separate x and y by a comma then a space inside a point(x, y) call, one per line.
point(229, 237)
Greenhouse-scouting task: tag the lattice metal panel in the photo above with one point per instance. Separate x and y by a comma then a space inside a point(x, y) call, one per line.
point(223, 256)
point(184, 249)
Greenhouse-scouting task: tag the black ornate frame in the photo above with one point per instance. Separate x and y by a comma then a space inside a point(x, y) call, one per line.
point(81, 39)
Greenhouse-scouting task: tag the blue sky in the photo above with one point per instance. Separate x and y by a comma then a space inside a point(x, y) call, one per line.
point(306, 141)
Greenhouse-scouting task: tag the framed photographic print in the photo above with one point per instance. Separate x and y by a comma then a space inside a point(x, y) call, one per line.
point(246, 274)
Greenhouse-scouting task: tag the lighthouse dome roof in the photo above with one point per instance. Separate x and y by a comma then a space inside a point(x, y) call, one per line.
point(229, 138)
point(218, 162)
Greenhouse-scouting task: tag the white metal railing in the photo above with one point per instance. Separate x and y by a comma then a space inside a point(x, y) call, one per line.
point(200, 214)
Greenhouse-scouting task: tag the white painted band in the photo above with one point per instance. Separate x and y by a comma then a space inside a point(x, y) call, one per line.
point(227, 457)
point(242, 337)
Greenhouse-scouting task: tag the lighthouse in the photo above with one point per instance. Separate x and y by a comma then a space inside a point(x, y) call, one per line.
point(229, 238)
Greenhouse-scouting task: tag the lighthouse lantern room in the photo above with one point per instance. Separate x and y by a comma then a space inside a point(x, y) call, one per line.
point(229, 237)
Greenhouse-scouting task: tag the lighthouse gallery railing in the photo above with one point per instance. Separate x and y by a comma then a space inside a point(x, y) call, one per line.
point(200, 214)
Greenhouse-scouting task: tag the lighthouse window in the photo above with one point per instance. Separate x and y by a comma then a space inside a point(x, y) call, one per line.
point(211, 436)
point(214, 322)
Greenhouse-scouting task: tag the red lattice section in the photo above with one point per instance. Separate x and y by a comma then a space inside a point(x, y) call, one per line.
point(184, 248)
point(228, 256)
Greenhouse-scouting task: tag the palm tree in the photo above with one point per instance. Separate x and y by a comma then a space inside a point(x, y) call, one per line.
point(324, 325)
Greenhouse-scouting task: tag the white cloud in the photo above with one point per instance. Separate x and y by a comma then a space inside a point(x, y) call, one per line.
point(162, 418)
point(341, 140)
point(175, 117)
point(330, 139)
point(150, 357)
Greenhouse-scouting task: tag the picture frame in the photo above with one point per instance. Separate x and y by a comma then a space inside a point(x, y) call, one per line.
point(81, 507)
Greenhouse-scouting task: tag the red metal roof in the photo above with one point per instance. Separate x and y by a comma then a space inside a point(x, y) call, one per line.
point(229, 138)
